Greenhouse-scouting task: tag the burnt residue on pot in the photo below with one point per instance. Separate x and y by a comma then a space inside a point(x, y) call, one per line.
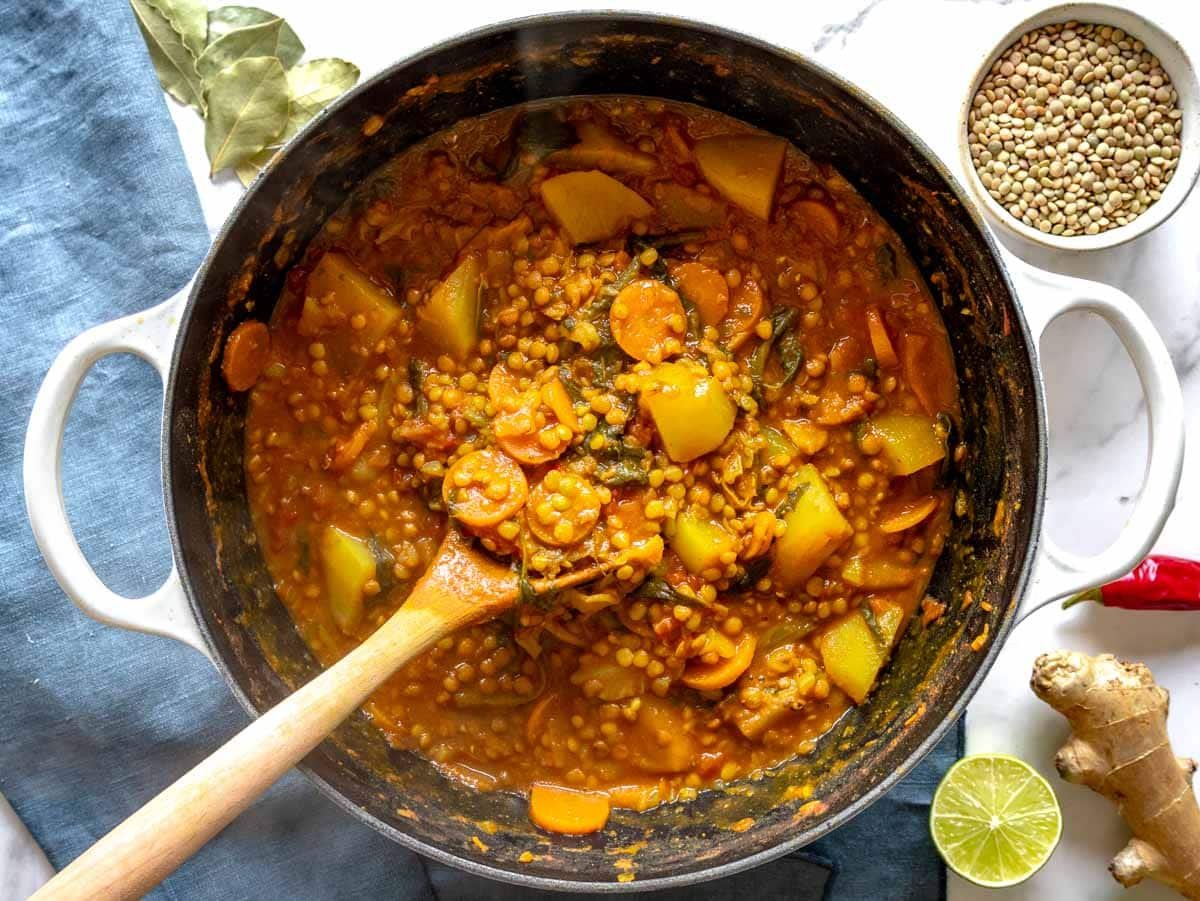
point(936, 667)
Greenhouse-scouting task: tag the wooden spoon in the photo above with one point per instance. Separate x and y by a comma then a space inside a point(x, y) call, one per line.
point(462, 587)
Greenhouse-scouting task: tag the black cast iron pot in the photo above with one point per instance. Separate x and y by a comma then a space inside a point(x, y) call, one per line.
point(220, 597)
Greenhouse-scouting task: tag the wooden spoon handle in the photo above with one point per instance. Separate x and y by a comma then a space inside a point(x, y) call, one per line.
point(151, 843)
point(460, 587)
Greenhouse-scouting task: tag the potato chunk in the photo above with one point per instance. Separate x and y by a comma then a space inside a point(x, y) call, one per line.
point(449, 317)
point(815, 529)
point(592, 206)
point(701, 543)
point(349, 565)
point(743, 168)
point(691, 410)
point(599, 148)
point(908, 441)
point(346, 311)
point(659, 741)
point(852, 655)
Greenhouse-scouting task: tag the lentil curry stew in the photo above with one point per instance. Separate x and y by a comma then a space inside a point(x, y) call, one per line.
point(575, 328)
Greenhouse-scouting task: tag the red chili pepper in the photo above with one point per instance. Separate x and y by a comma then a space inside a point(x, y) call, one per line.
point(1157, 583)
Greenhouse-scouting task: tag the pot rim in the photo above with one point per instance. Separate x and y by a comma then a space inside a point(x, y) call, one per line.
point(839, 818)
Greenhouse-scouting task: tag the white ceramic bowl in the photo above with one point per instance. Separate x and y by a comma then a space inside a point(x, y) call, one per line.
point(1176, 63)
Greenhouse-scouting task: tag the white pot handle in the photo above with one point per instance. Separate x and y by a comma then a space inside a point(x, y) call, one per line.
point(151, 336)
point(1058, 573)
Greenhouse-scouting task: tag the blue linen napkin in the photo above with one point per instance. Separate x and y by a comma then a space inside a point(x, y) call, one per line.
point(98, 219)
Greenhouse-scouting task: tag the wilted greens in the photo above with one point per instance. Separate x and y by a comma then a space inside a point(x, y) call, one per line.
point(239, 67)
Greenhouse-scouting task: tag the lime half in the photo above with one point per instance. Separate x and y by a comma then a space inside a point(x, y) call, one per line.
point(995, 820)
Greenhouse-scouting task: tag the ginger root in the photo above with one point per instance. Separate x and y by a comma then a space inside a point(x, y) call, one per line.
point(1119, 748)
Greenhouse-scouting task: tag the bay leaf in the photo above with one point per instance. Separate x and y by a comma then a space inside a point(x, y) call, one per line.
point(173, 62)
point(248, 109)
point(273, 37)
point(225, 19)
point(314, 85)
point(248, 171)
point(189, 18)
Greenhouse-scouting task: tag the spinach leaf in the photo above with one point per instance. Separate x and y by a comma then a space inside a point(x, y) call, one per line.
point(385, 573)
point(618, 462)
point(753, 572)
point(526, 593)
point(573, 388)
point(790, 351)
point(543, 600)
point(656, 588)
point(789, 503)
point(620, 473)
point(783, 320)
point(885, 261)
point(418, 372)
point(606, 366)
point(431, 494)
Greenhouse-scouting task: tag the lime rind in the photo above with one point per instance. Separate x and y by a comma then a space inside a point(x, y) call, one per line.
point(994, 820)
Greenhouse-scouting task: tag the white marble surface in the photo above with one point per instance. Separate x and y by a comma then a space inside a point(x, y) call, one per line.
point(916, 56)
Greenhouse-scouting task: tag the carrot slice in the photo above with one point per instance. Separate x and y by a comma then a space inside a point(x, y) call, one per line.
point(908, 514)
point(648, 321)
point(554, 393)
point(714, 676)
point(563, 508)
point(246, 354)
point(484, 488)
point(705, 287)
point(567, 811)
point(885, 353)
